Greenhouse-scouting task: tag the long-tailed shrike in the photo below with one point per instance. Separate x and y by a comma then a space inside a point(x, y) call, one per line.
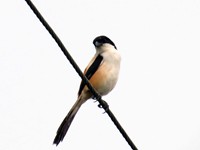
point(102, 72)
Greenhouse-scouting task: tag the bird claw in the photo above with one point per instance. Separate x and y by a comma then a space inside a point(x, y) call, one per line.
point(104, 105)
point(100, 106)
point(93, 97)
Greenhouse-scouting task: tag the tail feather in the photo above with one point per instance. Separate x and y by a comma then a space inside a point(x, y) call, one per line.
point(62, 130)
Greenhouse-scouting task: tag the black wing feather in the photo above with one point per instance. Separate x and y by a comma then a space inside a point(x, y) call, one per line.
point(91, 70)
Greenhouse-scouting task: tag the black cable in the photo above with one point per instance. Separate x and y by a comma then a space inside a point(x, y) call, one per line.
point(97, 96)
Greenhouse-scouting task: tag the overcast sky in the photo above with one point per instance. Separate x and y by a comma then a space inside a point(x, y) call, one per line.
point(157, 97)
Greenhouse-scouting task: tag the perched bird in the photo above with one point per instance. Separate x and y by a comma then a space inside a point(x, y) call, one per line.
point(102, 72)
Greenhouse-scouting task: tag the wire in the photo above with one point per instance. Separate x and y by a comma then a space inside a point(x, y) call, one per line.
point(97, 96)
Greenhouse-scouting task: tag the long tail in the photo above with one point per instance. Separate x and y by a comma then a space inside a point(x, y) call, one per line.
point(62, 130)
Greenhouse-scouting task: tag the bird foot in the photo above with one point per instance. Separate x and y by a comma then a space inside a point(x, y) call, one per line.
point(104, 105)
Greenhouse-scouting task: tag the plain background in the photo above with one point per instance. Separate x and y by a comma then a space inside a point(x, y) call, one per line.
point(156, 100)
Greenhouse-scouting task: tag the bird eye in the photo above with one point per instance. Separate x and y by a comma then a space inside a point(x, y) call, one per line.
point(97, 43)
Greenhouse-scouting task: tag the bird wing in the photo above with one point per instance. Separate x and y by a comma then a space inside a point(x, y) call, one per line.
point(90, 71)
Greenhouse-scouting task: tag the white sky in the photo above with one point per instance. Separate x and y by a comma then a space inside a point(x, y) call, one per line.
point(157, 98)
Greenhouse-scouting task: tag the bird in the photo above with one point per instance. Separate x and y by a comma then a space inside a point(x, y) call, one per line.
point(102, 72)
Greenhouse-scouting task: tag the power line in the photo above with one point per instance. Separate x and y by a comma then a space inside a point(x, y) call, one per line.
point(97, 96)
